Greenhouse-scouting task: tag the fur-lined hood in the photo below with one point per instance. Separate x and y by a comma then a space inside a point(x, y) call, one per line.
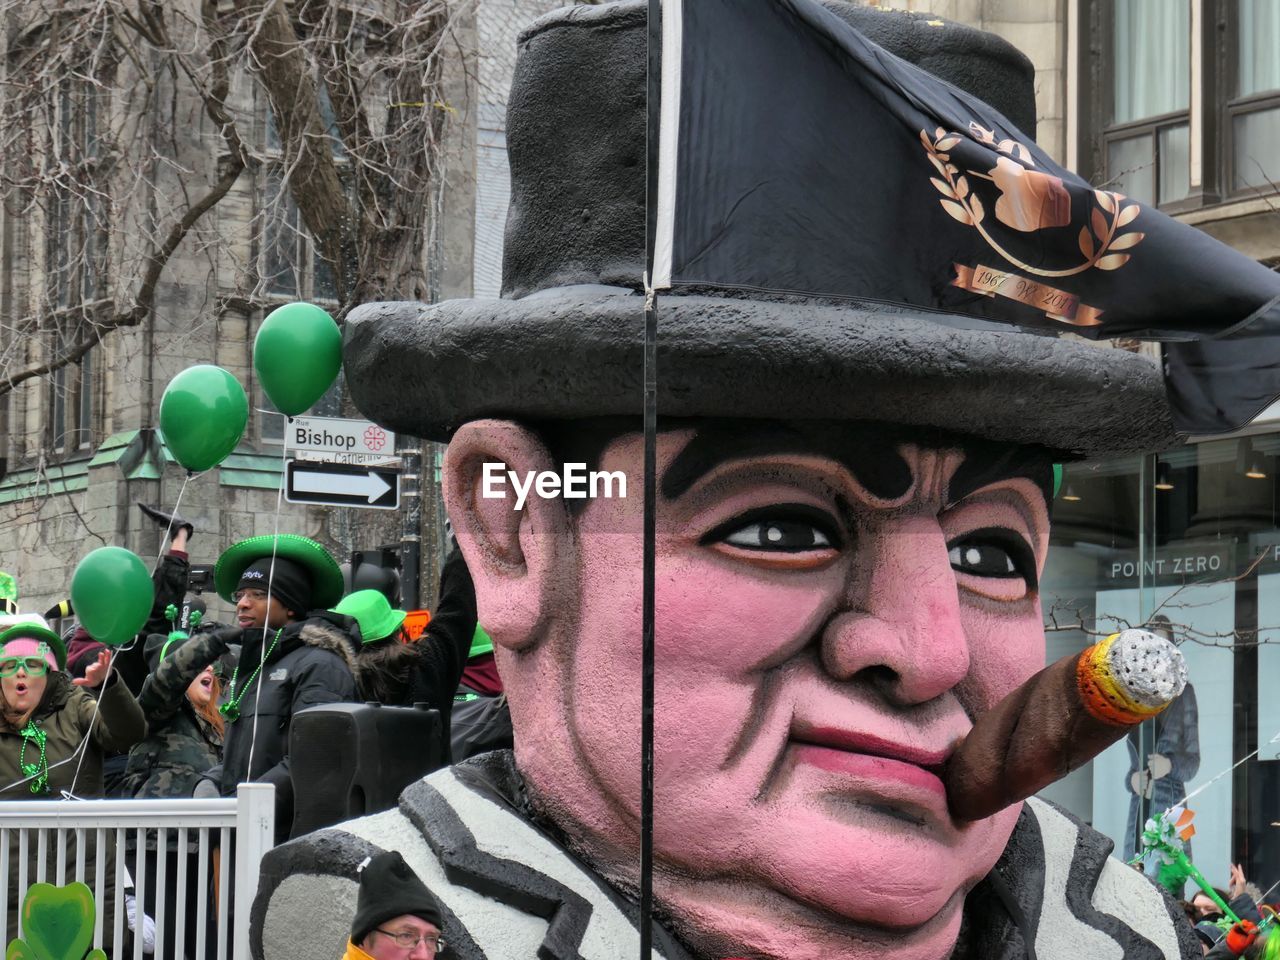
point(383, 670)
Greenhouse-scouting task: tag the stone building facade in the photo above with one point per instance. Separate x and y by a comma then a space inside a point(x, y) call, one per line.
point(79, 447)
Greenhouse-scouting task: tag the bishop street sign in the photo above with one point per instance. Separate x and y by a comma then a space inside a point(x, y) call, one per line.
point(338, 440)
point(342, 484)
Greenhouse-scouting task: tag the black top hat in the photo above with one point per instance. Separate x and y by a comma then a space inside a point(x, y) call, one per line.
point(565, 341)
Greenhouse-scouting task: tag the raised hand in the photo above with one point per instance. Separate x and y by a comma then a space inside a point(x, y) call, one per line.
point(97, 672)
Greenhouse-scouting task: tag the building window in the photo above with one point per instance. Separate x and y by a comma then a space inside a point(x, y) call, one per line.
point(75, 255)
point(1253, 112)
point(1146, 140)
point(290, 264)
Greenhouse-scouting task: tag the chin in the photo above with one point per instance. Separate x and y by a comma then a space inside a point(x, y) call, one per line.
point(884, 870)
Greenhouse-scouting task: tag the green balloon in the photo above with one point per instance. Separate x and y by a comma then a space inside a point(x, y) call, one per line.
point(112, 595)
point(297, 353)
point(202, 415)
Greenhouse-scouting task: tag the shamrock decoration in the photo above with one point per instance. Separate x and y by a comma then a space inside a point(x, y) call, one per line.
point(57, 923)
point(38, 768)
point(1163, 843)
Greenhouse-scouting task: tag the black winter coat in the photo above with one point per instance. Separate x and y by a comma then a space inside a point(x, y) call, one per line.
point(305, 668)
point(429, 669)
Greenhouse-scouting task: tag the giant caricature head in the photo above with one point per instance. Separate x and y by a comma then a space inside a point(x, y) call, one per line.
point(834, 603)
point(853, 512)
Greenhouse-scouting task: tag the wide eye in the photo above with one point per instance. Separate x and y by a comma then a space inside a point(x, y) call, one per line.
point(779, 535)
point(994, 553)
point(778, 529)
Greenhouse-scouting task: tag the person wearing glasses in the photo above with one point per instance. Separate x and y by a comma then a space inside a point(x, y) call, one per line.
point(45, 718)
point(184, 738)
point(293, 656)
point(396, 918)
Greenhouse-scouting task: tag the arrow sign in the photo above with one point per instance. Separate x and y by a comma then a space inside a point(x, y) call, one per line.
point(342, 485)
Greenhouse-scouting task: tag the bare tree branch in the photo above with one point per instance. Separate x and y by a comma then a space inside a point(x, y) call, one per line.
point(95, 127)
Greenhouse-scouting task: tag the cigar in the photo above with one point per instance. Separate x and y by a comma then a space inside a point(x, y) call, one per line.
point(1061, 719)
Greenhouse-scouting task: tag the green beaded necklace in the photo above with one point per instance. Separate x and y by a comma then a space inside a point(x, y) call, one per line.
point(40, 768)
point(231, 709)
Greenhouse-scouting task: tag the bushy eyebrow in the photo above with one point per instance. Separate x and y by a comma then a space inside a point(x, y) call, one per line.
point(870, 452)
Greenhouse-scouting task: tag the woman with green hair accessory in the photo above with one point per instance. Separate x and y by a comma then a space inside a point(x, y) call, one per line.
point(45, 718)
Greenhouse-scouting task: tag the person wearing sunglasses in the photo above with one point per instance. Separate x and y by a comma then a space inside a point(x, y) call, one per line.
point(396, 918)
point(45, 716)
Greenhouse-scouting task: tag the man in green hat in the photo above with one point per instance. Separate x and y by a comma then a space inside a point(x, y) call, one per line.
point(292, 656)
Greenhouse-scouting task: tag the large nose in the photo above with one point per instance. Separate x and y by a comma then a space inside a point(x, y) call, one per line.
point(244, 602)
point(901, 629)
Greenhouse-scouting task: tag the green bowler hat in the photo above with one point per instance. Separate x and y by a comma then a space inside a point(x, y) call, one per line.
point(372, 610)
point(326, 578)
point(481, 642)
point(33, 628)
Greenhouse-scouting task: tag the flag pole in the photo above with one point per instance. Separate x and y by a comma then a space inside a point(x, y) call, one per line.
point(650, 487)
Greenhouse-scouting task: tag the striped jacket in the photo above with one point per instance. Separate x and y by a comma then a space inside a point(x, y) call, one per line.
point(508, 891)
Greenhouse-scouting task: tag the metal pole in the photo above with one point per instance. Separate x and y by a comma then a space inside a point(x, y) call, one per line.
point(411, 517)
point(650, 491)
point(255, 835)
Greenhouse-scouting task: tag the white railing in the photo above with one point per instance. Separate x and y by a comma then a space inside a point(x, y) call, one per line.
point(244, 823)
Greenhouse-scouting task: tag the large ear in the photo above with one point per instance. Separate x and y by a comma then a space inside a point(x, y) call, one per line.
point(517, 557)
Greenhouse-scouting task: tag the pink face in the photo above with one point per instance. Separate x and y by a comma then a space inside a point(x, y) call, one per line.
point(821, 643)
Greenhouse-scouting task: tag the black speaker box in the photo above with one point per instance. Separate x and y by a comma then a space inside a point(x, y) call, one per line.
point(351, 759)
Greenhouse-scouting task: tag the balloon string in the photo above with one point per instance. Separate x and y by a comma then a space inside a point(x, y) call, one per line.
point(1214, 779)
point(93, 718)
point(275, 542)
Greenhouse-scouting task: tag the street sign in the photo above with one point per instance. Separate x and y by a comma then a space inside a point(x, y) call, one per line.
point(351, 441)
point(342, 485)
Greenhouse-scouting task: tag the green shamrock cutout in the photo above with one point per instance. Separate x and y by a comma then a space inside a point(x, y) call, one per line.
point(57, 923)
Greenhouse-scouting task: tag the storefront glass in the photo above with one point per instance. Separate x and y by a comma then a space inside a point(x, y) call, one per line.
point(1187, 543)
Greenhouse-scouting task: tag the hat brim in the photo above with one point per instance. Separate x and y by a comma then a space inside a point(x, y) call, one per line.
point(32, 631)
point(387, 627)
point(326, 577)
point(576, 352)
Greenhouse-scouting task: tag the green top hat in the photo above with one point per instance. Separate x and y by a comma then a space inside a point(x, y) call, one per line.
point(326, 578)
point(34, 629)
point(480, 642)
point(373, 612)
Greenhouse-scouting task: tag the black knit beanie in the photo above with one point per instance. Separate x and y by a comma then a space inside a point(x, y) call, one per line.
point(290, 584)
point(390, 889)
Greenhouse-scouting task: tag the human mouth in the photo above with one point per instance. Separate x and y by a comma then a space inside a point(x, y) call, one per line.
point(898, 771)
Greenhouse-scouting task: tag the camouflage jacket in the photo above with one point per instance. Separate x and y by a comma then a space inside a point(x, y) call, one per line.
point(180, 744)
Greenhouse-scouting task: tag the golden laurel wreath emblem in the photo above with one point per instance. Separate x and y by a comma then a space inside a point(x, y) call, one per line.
point(1030, 200)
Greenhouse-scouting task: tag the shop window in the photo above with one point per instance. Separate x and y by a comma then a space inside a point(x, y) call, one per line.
point(1186, 543)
